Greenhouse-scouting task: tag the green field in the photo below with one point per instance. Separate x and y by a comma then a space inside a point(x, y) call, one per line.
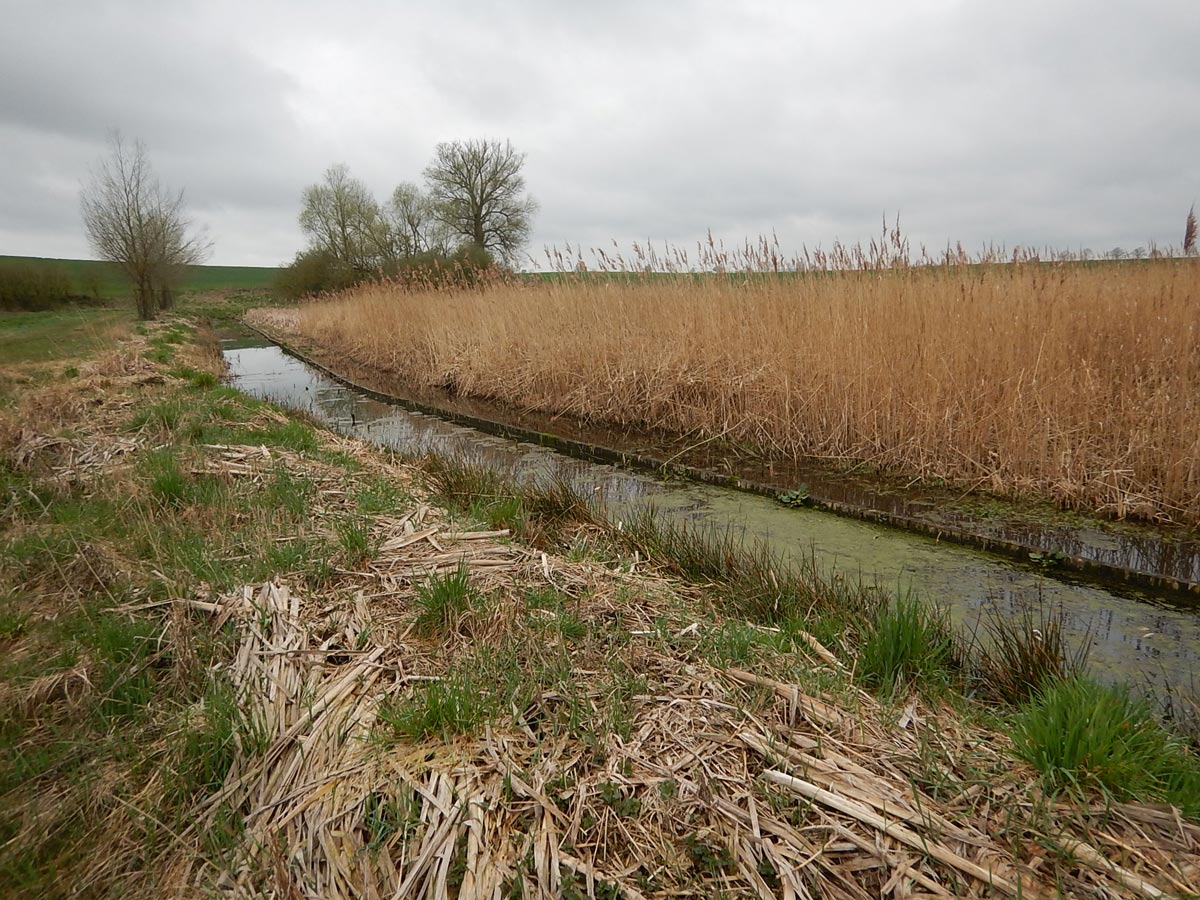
point(58, 334)
point(93, 278)
point(80, 332)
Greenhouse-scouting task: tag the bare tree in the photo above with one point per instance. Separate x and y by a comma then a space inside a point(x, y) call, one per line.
point(342, 218)
point(1189, 232)
point(133, 221)
point(478, 192)
point(416, 227)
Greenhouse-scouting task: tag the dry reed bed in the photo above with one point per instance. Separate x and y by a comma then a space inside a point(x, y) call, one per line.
point(1074, 382)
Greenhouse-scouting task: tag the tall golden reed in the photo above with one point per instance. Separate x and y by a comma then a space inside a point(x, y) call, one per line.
point(1077, 382)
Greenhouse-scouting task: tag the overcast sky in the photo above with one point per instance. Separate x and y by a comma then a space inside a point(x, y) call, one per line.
point(1068, 124)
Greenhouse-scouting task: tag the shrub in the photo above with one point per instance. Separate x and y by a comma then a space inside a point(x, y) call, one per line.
point(314, 272)
point(28, 287)
point(422, 269)
point(467, 266)
point(472, 264)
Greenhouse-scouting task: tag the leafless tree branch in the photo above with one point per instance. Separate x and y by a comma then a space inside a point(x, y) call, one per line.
point(478, 192)
point(133, 221)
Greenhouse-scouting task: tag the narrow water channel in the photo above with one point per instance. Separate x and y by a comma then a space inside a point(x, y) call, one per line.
point(1134, 635)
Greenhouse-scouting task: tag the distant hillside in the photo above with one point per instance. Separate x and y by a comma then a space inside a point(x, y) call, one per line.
point(99, 279)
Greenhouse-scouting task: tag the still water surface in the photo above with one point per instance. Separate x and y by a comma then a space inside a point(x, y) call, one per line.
point(1134, 635)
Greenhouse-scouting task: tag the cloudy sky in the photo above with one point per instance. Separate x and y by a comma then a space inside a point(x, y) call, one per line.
point(1068, 124)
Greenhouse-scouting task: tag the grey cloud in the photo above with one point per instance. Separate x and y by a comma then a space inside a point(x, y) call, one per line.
point(1062, 124)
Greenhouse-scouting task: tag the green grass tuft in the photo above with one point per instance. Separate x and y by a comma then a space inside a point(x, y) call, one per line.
point(171, 486)
point(1080, 734)
point(120, 649)
point(208, 745)
point(741, 644)
point(354, 538)
point(456, 705)
point(443, 599)
point(498, 512)
point(292, 435)
point(1016, 660)
point(389, 816)
point(12, 621)
point(299, 555)
point(168, 484)
point(554, 614)
point(905, 641)
point(289, 493)
point(381, 495)
point(165, 416)
point(196, 378)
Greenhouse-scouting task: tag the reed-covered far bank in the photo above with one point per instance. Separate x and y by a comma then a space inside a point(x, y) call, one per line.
point(1075, 382)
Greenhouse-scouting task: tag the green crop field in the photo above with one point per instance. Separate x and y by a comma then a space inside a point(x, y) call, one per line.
point(99, 279)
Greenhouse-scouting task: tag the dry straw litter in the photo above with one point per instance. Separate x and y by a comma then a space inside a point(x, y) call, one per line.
point(726, 781)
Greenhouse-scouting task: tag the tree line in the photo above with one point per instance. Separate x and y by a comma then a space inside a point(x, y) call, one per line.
point(471, 213)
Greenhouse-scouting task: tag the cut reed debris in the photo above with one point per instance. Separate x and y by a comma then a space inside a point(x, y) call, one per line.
point(710, 791)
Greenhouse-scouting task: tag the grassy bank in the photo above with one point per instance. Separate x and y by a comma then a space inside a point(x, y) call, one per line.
point(1072, 382)
point(103, 281)
point(123, 506)
point(242, 656)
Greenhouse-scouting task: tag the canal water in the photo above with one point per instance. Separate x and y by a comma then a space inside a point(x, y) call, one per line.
point(1136, 636)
